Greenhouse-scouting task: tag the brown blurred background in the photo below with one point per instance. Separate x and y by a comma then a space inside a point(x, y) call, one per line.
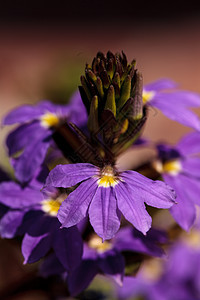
point(44, 47)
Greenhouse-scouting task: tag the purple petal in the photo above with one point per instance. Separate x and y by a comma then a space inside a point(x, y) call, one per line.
point(78, 113)
point(71, 174)
point(182, 98)
point(48, 106)
point(89, 253)
point(22, 114)
point(10, 223)
point(184, 211)
point(68, 247)
point(197, 277)
point(32, 158)
point(44, 224)
point(112, 263)
point(136, 288)
point(72, 111)
point(75, 207)
point(39, 178)
point(178, 98)
point(35, 247)
point(63, 111)
point(29, 220)
point(12, 195)
point(166, 153)
point(141, 142)
point(103, 213)
point(157, 235)
point(160, 195)
point(82, 225)
point(27, 113)
point(189, 144)
point(132, 207)
point(38, 239)
point(183, 259)
point(133, 177)
point(51, 266)
point(183, 272)
point(161, 84)
point(191, 186)
point(79, 279)
point(154, 193)
point(180, 114)
point(191, 167)
point(20, 137)
point(129, 239)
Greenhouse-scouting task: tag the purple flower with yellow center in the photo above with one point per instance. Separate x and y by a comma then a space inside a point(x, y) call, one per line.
point(104, 193)
point(34, 134)
point(180, 168)
point(173, 103)
point(32, 214)
point(106, 258)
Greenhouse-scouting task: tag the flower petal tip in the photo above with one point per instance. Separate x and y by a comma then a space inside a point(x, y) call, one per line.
point(118, 279)
point(144, 233)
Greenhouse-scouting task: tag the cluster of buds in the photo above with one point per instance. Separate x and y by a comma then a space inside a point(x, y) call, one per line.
point(111, 91)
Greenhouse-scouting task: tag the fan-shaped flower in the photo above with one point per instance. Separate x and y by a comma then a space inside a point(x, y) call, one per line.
point(34, 134)
point(106, 193)
point(33, 214)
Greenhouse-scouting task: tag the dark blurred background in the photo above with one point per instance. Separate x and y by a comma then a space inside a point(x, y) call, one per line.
point(43, 50)
point(87, 10)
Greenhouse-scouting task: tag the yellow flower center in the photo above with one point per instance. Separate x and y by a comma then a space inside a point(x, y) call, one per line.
point(96, 243)
point(192, 239)
point(51, 206)
point(172, 167)
point(152, 269)
point(107, 178)
point(49, 120)
point(147, 96)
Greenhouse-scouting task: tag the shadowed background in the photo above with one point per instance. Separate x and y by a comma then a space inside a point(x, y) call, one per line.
point(44, 48)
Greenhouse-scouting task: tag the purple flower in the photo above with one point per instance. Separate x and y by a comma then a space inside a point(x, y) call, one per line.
point(173, 104)
point(32, 214)
point(180, 168)
point(178, 277)
point(34, 134)
point(107, 258)
point(181, 276)
point(106, 193)
point(136, 288)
